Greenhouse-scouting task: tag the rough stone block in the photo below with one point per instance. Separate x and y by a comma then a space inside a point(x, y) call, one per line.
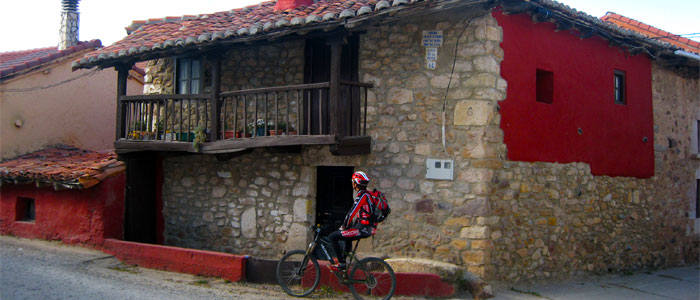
point(473, 113)
point(249, 223)
point(474, 257)
point(474, 232)
point(300, 210)
point(400, 96)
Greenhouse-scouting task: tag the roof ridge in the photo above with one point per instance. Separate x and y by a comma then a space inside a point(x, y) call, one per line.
point(662, 34)
point(137, 24)
point(21, 62)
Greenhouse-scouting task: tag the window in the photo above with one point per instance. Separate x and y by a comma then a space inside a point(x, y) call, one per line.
point(545, 86)
point(620, 88)
point(24, 209)
point(189, 74)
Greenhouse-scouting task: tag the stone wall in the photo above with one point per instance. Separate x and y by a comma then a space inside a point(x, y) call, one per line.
point(556, 220)
point(430, 219)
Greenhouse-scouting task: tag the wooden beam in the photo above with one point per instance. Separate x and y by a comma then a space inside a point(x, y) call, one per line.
point(336, 107)
point(124, 146)
point(352, 145)
point(214, 101)
point(122, 76)
point(267, 141)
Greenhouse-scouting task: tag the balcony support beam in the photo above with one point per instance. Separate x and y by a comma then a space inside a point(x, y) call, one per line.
point(336, 107)
point(122, 76)
point(215, 60)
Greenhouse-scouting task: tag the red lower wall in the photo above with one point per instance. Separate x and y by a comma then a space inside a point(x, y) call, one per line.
point(582, 123)
point(192, 261)
point(72, 216)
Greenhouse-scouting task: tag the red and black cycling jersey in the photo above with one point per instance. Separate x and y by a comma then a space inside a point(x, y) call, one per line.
point(359, 215)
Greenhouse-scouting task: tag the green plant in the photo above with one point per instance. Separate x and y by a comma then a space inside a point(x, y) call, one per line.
point(138, 125)
point(200, 137)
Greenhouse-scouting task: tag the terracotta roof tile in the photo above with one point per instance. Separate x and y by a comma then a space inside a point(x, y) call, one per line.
point(16, 61)
point(61, 165)
point(153, 37)
point(652, 32)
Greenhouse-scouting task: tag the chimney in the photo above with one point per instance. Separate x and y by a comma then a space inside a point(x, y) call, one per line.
point(292, 4)
point(70, 19)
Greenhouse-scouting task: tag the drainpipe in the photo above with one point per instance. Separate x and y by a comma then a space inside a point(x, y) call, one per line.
point(70, 19)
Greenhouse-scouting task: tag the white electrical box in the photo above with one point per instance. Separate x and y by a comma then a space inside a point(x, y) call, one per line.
point(439, 168)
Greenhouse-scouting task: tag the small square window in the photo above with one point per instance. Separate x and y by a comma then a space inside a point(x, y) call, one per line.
point(25, 210)
point(545, 86)
point(620, 87)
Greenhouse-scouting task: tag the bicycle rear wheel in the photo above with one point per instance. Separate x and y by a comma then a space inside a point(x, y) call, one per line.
point(372, 278)
point(298, 274)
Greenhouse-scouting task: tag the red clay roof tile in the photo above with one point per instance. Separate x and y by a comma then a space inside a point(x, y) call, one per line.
point(63, 165)
point(164, 34)
point(652, 32)
point(16, 61)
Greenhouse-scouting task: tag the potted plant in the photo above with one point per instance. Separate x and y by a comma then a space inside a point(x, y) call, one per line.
point(281, 127)
point(256, 128)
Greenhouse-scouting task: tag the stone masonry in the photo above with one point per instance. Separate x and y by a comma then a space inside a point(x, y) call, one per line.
point(498, 218)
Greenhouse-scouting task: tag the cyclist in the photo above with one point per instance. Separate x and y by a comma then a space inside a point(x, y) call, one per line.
point(357, 223)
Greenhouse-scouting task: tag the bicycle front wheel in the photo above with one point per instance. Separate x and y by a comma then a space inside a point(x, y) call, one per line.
point(298, 274)
point(372, 278)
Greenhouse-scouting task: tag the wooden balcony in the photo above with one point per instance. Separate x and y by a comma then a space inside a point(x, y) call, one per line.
point(231, 121)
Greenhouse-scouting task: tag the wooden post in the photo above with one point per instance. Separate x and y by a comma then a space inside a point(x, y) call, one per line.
point(215, 87)
point(336, 104)
point(122, 76)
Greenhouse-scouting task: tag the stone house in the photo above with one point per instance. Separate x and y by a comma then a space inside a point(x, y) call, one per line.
point(518, 139)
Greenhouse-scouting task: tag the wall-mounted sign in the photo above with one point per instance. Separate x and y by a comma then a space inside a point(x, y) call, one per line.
point(431, 53)
point(432, 40)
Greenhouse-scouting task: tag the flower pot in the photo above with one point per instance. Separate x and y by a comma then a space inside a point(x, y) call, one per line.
point(260, 131)
point(229, 134)
point(185, 136)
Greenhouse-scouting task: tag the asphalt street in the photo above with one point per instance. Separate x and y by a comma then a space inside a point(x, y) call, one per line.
point(35, 269)
point(31, 269)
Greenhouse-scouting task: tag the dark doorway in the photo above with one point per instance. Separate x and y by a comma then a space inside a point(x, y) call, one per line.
point(140, 210)
point(333, 195)
point(317, 68)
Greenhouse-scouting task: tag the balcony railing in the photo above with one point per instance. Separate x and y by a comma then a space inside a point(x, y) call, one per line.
point(284, 115)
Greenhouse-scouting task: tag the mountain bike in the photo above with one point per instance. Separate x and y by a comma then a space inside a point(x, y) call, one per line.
point(298, 271)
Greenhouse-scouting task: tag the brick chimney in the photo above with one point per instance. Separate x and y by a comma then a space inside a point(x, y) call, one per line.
point(292, 4)
point(70, 19)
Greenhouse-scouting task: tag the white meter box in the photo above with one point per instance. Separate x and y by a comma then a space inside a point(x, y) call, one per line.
point(439, 168)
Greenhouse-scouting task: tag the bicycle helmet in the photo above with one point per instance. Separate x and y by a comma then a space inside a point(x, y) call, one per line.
point(360, 178)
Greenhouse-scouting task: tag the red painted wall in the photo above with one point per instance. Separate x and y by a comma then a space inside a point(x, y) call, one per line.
point(72, 216)
point(198, 262)
point(612, 136)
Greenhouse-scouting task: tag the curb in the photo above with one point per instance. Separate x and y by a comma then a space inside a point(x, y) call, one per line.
point(235, 267)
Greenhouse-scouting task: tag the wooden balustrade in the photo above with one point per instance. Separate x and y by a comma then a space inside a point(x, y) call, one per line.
point(294, 110)
point(164, 117)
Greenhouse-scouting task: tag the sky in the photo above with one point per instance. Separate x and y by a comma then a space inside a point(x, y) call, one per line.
point(29, 24)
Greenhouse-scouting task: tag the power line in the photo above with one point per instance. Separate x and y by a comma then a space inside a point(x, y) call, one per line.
point(37, 88)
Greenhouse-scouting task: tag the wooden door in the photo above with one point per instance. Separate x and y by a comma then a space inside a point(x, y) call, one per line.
point(334, 195)
point(317, 67)
point(140, 204)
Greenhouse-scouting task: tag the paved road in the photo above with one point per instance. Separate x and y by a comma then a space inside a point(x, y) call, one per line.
point(31, 269)
point(677, 283)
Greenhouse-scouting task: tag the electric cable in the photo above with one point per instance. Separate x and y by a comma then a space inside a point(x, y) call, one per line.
point(449, 82)
point(37, 88)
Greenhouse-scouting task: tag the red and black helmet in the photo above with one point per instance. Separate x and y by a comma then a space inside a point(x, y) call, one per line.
point(360, 178)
